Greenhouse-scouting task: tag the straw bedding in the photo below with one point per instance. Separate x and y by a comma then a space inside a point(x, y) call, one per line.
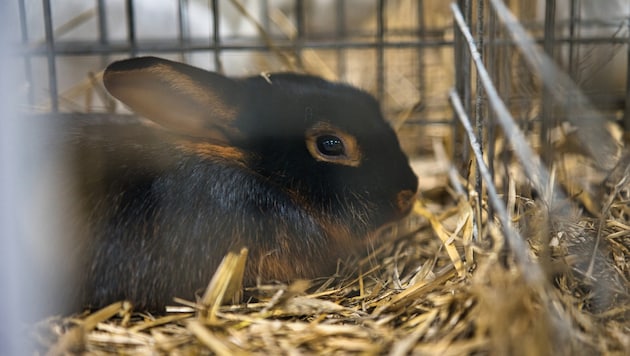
point(428, 288)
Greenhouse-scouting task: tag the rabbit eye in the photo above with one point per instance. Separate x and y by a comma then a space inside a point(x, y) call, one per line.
point(327, 143)
point(330, 145)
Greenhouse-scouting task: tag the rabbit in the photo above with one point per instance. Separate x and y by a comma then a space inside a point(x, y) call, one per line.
point(299, 170)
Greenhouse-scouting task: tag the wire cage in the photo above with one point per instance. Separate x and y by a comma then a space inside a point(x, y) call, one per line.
point(508, 91)
point(524, 77)
point(543, 98)
point(399, 50)
point(354, 41)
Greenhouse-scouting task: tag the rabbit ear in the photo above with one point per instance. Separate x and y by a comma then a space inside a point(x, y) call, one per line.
point(184, 99)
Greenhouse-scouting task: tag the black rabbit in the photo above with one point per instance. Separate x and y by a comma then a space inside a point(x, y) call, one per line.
point(298, 169)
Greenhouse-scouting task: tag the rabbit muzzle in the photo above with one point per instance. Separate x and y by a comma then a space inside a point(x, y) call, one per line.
point(404, 201)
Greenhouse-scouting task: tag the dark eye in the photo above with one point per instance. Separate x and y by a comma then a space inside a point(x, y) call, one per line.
point(330, 145)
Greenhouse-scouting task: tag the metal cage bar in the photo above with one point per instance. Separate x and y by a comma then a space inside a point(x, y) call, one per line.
point(50, 56)
point(384, 40)
point(131, 28)
point(24, 35)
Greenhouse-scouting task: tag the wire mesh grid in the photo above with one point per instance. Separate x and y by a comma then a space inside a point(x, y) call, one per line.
point(399, 50)
point(65, 44)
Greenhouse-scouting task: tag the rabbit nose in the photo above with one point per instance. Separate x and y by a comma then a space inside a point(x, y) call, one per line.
point(405, 199)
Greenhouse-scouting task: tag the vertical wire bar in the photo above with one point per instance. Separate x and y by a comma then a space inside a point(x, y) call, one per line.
point(301, 30)
point(50, 56)
point(573, 43)
point(131, 28)
point(264, 15)
point(103, 38)
point(478, 86)
point(458, 61)
point(462, 77)
point(459, 56)
point(573, 21)
point(380, 50)
point(28, 68)
point(505, 87)
point(467, 62)
point(491, 63)
point(547, 121)
point(216, 37)
point(477, 233)
point(183, 26)
point(341, 36)
point(626, 113)
point(421, 35)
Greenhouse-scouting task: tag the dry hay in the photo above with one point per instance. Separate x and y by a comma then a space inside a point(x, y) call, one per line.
point(433, 291)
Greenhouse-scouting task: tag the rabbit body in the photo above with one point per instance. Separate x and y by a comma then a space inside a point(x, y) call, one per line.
point(299, 170)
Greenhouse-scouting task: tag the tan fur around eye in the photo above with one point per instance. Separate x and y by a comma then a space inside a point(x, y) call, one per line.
point(352, 156)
